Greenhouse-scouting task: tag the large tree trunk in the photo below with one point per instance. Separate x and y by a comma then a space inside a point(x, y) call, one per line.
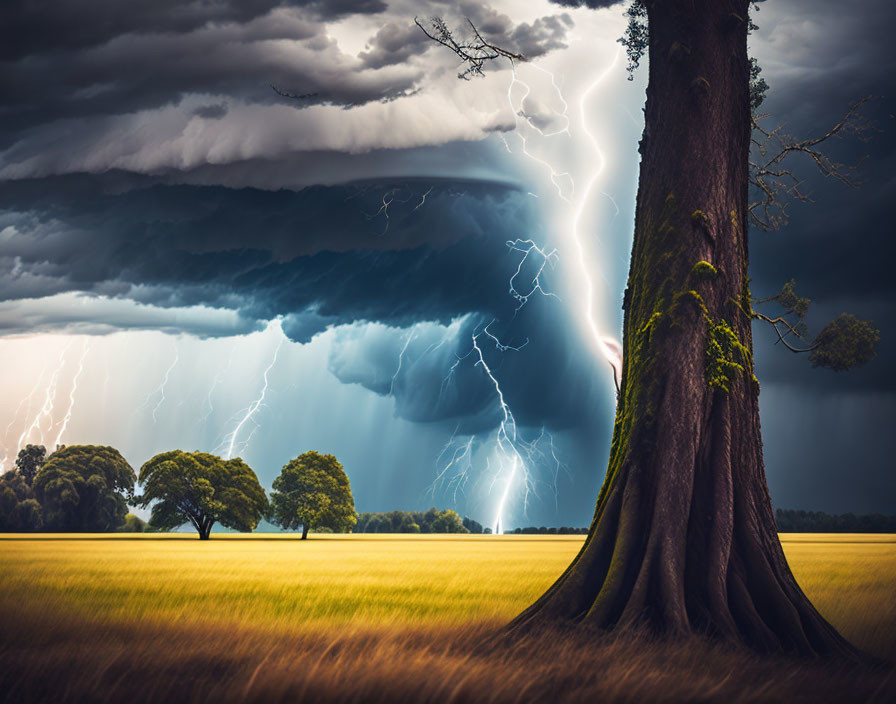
point(683, 538)
point(304, 531)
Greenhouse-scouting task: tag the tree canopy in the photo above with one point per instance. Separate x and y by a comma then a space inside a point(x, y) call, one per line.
point(19, 510)
point(201, 489)
point(84, 488)
point(431, 521)
point(313, 491)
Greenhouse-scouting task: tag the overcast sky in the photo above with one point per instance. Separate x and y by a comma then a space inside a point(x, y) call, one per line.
point(188, 259)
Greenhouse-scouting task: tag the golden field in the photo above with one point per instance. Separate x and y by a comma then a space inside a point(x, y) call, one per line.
point(259, 610)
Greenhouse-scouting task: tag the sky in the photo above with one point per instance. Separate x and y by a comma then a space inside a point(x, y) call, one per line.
point(418, 274)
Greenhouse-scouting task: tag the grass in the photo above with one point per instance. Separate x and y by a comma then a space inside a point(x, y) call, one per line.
point(386, 618)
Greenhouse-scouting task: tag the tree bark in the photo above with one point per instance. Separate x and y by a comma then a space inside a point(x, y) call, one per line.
point(304, 531)
point(683, 538)
point(205, 528)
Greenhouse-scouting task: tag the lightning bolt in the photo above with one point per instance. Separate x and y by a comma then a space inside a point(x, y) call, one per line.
point(29, 399)
point(252, 408)
point(46, 410)
point(506, 438)
point(547, 259)
point(606, 345)
point(160, 389)
point(423, 199)
point(515, 454)
point(217, 381)
point(400, 359)
point(556, 177)
point(71, 396)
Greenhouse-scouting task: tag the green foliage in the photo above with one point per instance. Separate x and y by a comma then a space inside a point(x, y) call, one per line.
point(722, 344)
point(19, 510)
point(30, 459)
point(758, 86)
point(473, 526)
point(431, 521)
point(844, 343)
point(202, 489)
point(793, 305)
point(636, 37)
point(314, 492)
point(133, 524)
point(84, 488)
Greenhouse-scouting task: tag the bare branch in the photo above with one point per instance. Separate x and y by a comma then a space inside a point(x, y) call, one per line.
point(474, 52)
point(778, 185)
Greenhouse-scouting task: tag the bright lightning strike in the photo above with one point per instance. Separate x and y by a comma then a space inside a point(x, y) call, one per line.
point(71, 396)
point(46, 410)
point(231, 441)
point(606, 345)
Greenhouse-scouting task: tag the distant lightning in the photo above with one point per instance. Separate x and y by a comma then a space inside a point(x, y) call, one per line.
point(506, 438)
point(555, 175)
point(46, 410)
point(400, 360)
point(160, 389)
point(547, 259)
point(71, 396)
point(253, 407)
point(423, 199)
point(217, 380)
point(461, 462)
point(29, 399)
point(384, 209)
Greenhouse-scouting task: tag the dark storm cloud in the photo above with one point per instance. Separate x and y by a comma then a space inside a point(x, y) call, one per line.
point(838, 248)
point(394, 43)
point(546, 378)
point(83, 69)
point(532, 40)
point(394, 253)
point(591, 4)
point(211, 112)
point(438, 269)
point(31, 27)
point(131, 73)
point(826, 442)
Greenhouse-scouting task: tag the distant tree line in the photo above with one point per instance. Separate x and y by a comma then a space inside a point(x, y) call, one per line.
point(542, 530)
point(792, 521)
point(431, 521)
point(87, 488)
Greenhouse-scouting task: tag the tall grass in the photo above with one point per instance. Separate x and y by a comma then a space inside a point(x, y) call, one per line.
point(384, 618)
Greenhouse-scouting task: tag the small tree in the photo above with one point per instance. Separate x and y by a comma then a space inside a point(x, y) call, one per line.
point(30, 459)
point(313, 491)
point(84, 488)
point(202, 489)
